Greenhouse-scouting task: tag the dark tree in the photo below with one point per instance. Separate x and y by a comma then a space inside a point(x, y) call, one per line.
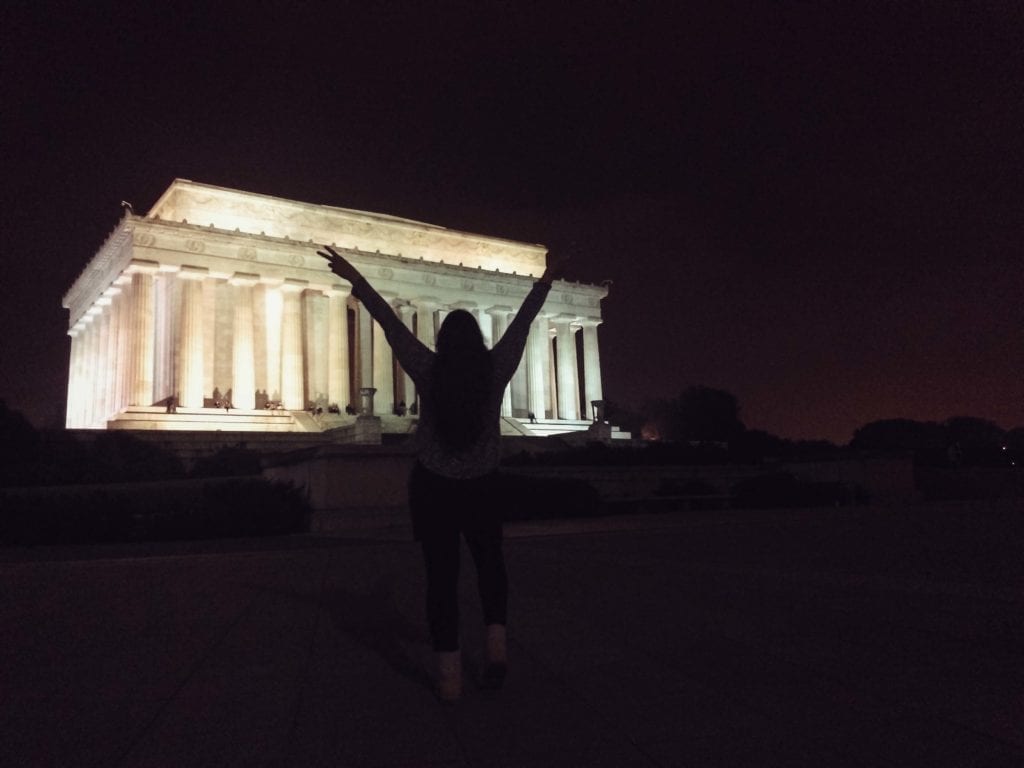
point(624, 418)
point(699, 415)
point(925, 439)
point(1015, 446)
point(975, 442)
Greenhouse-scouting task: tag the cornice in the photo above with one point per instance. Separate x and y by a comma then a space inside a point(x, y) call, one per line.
point(101, 271)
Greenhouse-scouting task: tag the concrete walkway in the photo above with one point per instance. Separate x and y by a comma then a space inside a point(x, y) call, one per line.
point(741, 640)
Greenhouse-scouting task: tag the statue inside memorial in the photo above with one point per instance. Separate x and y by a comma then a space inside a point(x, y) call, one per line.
point(453, 488)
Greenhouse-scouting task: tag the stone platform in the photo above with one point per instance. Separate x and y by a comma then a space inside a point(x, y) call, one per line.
point(157, 418)
point(148, 418)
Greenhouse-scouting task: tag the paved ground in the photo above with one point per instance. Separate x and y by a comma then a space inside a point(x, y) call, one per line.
point(840, 639)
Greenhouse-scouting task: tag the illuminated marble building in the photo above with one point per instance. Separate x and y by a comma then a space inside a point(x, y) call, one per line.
point(217, 297)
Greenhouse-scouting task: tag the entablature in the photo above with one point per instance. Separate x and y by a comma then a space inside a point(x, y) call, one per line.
point(222, 253)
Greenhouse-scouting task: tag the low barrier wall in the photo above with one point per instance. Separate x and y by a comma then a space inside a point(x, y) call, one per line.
point(350, 487)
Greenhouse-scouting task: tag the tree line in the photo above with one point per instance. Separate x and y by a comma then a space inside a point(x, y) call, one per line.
point(708, 418)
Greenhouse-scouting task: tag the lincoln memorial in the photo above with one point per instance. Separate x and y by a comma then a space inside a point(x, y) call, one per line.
point(213, 311)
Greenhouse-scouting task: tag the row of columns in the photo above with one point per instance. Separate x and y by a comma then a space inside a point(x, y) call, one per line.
point(154, 335)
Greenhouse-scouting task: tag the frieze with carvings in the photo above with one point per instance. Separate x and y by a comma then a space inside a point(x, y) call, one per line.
point(296, 260)
point(430, 279)
point(145, 239)
point(195, 246)
point(386, 272)
point(247, 253)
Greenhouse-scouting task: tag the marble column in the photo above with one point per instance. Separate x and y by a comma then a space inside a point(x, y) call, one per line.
point(164, 336)
point(292, 385)
point(337, 346)
point(425, 308)
point(70, 394)
point(274, 313)
point(568, 405)
point(551, 389)
point(365, 349)
point(111, 372)
point(383, 372)
point(92, 363)
point(316, 346)
point(102, 374)
point(591, 364)
point(211, 287)
point(190, 337)
point(72, 409)
point(105, 341)
point(121, 318)
point(82, 377)
point(576, 383)
point(486, 330)
point(499, 324)
point(408, 393)
point(519, 384)
point(536, 352)
point(243, 351)
point(143, 334)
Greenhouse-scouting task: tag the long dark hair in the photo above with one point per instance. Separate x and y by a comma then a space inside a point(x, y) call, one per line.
point(461, 381)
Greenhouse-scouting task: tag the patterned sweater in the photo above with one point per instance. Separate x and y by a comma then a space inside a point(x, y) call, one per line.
point(418, 361)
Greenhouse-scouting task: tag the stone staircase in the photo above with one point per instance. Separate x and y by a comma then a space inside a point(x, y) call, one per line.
point(140, 417)
point(156, 418)
point(552, 427)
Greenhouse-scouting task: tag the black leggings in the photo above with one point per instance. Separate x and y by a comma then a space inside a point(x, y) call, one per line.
point(442, 509)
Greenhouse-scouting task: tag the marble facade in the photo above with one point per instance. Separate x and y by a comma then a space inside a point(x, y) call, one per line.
point(217, 295)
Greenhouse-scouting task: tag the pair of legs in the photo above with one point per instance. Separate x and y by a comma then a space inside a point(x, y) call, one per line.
point(444, 510)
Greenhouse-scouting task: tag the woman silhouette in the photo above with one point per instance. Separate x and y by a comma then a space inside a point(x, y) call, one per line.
point(453, 489)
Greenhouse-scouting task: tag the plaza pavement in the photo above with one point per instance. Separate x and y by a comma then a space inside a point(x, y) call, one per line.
point(731, 639)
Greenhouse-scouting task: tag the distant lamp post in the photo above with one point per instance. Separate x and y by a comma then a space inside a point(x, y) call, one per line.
point(597, 407)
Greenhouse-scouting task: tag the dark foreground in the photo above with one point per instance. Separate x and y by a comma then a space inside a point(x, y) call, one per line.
point(790, 639)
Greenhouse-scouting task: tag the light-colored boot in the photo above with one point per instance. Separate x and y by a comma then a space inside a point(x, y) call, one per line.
point(496, 657)
point(449, 676)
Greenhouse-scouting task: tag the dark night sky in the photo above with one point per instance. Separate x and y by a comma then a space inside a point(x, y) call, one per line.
point(817, 206)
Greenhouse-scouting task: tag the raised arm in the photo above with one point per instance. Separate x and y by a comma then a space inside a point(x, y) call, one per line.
point(555, 263)
point(411, 352)
point(509, 349)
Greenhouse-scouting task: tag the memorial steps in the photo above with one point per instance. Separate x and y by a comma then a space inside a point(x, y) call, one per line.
point(552, 427)
point(156, 418)
point(139, 417)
